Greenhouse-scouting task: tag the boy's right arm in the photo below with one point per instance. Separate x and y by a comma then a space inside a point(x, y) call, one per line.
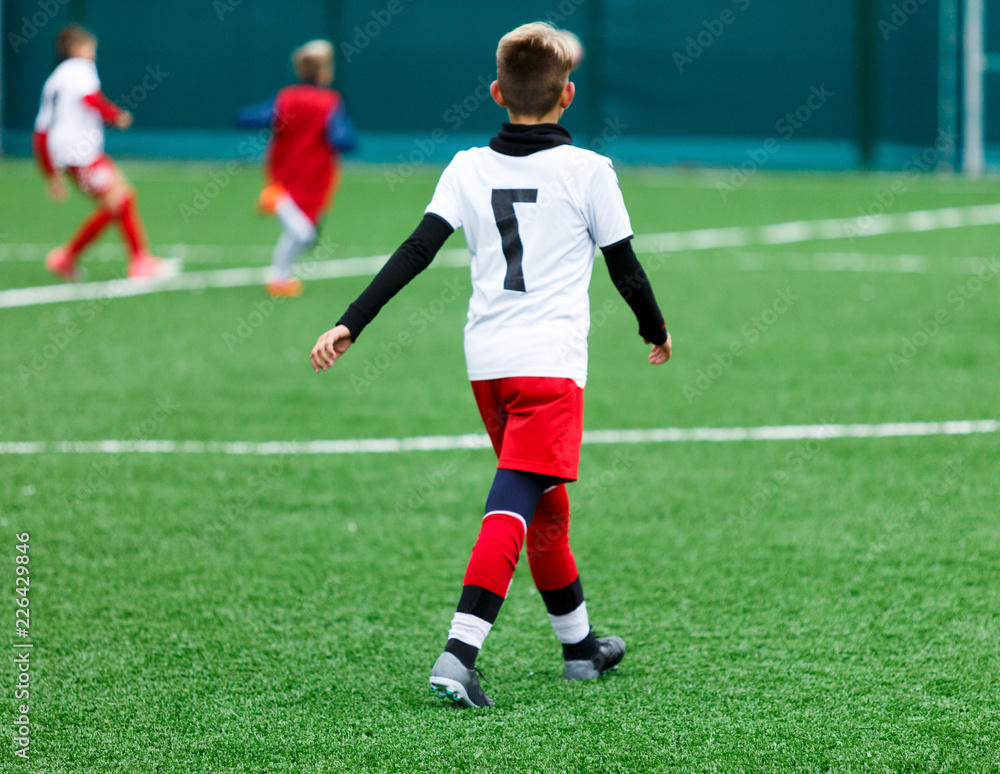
point(411, 258)
point(257, 116)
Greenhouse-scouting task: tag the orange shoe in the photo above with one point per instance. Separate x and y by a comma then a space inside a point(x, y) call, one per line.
point(268, 200)
point(60, 264)
point(147, 267)
point(287, 288)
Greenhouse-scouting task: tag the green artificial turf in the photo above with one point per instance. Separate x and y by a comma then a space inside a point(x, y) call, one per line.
point(789, 606)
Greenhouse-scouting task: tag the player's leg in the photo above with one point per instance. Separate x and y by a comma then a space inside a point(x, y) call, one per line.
point(297, 235)
point(509, 507)
point(511, 502)
point(453, 674)
point(94, 181)
point(553, 569)
point(63, 260)
point(536, 426)
point(119, 198)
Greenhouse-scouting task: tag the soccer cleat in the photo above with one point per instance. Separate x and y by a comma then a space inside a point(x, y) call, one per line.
point(451, 679)
point(610, 652)
point(268, 200)
point(286, 288)
point(146, 267)
point(60, 264)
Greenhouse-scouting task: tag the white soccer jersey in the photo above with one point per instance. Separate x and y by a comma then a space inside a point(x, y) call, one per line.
point(531, 223)
point(75, 130)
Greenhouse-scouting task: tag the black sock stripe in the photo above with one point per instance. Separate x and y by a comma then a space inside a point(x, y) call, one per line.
point(585, 648)
point(480, 602)
point(564, 600)
point(463, 651)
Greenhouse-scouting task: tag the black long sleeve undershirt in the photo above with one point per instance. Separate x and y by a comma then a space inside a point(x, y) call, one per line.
point(411, 258)
point(417, 252)
point(631, 281)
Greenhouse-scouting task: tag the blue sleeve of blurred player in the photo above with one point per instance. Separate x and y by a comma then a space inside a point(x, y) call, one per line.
point(256, 116)
point(340, 130)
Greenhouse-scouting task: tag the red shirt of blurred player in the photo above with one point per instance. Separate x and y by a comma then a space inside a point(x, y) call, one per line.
point(300, 157)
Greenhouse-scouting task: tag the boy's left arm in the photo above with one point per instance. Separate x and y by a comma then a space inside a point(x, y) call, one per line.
point(632, 282)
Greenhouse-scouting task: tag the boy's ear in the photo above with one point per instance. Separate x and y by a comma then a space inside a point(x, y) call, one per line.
point(568, 92)
point(495, 93)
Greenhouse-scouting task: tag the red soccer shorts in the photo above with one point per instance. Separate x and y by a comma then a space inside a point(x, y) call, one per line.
point(534, 422)
point(96, 179)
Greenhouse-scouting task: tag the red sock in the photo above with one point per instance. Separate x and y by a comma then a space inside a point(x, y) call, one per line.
point(89, 230)
point(496, 553)
point(549, 555)
point(132, 229)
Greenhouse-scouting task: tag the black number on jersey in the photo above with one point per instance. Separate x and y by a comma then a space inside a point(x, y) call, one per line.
point(503, 211)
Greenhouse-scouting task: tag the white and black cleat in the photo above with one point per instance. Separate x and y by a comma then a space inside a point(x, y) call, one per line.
point(451, 679)
point(610, 652)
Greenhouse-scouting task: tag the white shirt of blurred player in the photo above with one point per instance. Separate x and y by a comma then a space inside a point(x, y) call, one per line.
point(75, 130)
point(541, 331)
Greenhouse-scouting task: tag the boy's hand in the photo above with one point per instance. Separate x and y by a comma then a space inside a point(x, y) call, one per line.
point(660, 353)
point(57, 188)
point(123, 120)
point(330, 346)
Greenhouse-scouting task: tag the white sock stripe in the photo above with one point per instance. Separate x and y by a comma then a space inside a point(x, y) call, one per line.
point(517, 516)
point(572, 627)
point(469, 629)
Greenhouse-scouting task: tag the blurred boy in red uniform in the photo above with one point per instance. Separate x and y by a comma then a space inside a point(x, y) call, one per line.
point(310, 128)
point(69, 135)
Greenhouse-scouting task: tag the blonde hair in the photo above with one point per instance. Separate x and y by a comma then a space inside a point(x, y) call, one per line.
point(71, 36)
point(311, 58)
point(533, 65)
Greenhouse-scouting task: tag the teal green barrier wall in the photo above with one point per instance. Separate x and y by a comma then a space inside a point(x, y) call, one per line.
point(700, 80)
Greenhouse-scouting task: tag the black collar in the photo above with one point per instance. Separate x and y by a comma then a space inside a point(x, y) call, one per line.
point(525, 139)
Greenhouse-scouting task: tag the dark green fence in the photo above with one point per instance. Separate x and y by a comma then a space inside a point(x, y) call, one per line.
point(715, 81)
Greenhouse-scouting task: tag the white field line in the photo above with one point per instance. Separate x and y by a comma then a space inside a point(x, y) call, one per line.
point(202, 280)
point(110, 252)
point(868, 263)
point(477, 441)
point(815, 230)
point(700, 239)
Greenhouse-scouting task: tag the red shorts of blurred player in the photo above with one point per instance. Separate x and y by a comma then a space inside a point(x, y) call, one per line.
point(96, 179)
point(534, 422)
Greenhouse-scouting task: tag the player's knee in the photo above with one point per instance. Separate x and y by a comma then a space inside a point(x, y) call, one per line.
point(545, 535)
point(118, 197)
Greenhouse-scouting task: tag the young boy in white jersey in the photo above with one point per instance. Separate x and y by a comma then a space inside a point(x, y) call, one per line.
point(69, 136)
point(533, 208)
